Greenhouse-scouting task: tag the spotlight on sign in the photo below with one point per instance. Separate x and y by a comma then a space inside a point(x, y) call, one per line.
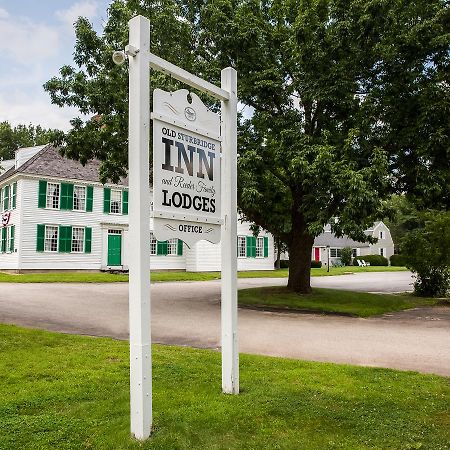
point(119, 57)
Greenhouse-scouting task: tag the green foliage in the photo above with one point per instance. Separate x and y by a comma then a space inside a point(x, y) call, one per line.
point(427, 254)
point(397, 260)
point(373, 260)
point(346, 256)
point(316, 264)
point(12, 138)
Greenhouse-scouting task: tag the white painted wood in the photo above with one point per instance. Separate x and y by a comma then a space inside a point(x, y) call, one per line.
point(180, 74)
point(230, 351)
point(139, 215)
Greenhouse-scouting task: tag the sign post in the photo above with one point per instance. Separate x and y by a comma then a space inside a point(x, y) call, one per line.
point(195, 181)
point(139, 232)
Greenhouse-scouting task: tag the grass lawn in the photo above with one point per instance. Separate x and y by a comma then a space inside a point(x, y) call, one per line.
point(359, 304)
point(70, 392)
point(82, 277)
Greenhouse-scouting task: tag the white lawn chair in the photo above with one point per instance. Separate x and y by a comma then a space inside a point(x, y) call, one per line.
point(360, 263)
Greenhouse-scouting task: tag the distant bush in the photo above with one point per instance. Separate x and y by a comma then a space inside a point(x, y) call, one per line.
point(373, 260)
point(316, 264)
point(346, 256)
point(427, 254)
point(398, 260)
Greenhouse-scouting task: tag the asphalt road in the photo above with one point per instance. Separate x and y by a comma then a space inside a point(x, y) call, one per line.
point(189, 314)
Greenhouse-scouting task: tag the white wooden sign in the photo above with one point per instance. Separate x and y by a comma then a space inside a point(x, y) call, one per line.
point(192, 150)
point(186, 168)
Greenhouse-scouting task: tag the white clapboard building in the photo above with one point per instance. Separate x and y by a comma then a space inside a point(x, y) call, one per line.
point(57, 215)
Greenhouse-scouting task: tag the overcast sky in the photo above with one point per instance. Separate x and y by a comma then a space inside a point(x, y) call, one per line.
point(36, 39)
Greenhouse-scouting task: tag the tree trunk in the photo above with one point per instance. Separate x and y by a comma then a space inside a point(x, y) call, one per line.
point(278, 261)
point(300, 250)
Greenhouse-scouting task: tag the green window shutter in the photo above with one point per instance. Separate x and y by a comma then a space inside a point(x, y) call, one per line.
point(65, 239)
point(180, 247)
point(14, 195)
point(11, 242)
point(124, 202)
point(40, 238)
point(106, 200)
point(251, 246)
point(161, 248)
point(3, 239)
point(266, 247)
point(42, 194)
point(87, 240)
point(89, 198)
point(66, 196)
point(6, 199)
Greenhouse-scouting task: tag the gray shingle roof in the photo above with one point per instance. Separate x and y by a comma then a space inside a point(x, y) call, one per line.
point(330, 239)
point(49, 162)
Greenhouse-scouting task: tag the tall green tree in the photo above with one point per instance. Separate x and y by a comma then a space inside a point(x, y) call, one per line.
point(341, 96)
point(12, 138)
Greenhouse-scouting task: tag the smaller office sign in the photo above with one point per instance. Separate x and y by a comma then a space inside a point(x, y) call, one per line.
point(186, 168)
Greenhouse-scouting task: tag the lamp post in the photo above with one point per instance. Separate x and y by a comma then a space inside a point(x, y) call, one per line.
point(328, 258)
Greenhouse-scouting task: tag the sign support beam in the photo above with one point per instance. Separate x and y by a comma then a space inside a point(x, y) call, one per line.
point(230, 350)
point(139, 234)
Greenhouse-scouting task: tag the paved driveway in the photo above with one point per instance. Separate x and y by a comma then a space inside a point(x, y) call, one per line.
point(189, 314)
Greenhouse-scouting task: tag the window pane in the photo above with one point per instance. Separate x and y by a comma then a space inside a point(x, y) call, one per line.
point(242, 247)
point(51, 239)
point(77, 239)
point(79, 198)
point(172, 246)
point(52, 196)
point(116, 202)
point(152, 244)
point(259, 247)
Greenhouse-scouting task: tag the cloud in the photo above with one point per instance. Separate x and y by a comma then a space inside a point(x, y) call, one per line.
point(24, 41)
point(84, 9)
point(19, 107)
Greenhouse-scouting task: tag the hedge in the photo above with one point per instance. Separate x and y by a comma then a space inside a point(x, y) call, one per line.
point(398, 260)
point(373, 260)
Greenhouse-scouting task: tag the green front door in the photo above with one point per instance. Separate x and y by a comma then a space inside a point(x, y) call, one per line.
point(114, 249)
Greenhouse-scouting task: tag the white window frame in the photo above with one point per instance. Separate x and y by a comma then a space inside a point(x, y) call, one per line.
point(337, 252)
point(172, 247)
point(354, 252)
point(153, 245)
point(8, 239)
point(382, 251)
point(48, 196)
point(46, 238)
point(259, 247)
point(242, 239)
point(75, 187)
point(115, 191)
point(12, 195)
point(73, 240)
point(381, 234)
point(2, 199)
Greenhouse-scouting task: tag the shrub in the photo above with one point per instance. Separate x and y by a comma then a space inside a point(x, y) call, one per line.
point(284, 264)
point(427, 254)
point(346, 256)
point(374, 260)
point(316, 264)
point(398, 260)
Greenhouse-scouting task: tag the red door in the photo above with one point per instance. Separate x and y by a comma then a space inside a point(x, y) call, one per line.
point(317, 254)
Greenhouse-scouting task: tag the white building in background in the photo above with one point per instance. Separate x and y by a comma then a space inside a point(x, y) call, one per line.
point(328, 241)
point(56, 215)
